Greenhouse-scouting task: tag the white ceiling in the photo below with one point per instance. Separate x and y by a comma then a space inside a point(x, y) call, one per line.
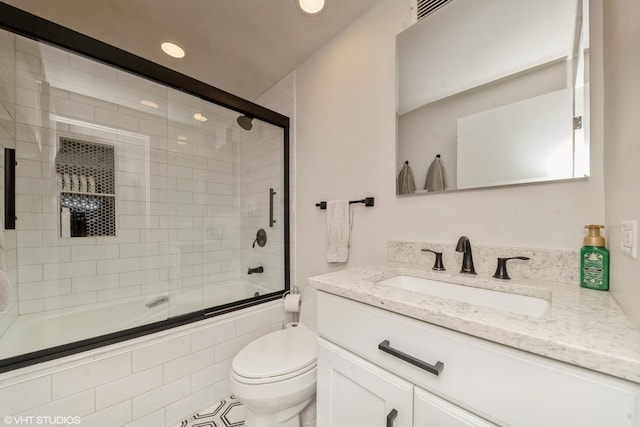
point(240, 46)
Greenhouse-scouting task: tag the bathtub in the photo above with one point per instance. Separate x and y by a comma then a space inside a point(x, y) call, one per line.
point(37, 331)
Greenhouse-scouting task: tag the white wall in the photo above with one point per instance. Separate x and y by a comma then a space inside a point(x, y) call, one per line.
point(345, 118)
point(622, 150)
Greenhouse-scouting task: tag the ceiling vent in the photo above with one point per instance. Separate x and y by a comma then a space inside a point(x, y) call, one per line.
point(427, 7)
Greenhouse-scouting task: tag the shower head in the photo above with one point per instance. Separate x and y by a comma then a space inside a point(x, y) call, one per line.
point(245, 122)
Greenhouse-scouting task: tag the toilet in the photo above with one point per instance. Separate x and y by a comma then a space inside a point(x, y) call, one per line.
point(275, 378)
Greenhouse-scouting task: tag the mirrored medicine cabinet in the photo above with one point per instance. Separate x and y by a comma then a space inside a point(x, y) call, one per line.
point(493, 93)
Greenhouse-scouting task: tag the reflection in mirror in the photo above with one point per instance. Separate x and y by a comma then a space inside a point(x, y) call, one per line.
point(493, 93)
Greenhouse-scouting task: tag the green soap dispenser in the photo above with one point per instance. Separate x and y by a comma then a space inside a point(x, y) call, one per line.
point(594, 260)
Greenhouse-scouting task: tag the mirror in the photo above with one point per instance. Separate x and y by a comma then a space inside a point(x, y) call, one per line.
point(493, 93)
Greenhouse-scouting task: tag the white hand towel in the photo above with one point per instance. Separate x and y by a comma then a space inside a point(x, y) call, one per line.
point(338, 230)
point(5, 283)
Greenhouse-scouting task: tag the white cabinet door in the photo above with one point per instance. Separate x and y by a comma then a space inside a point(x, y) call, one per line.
point(432, 411)
point(355, 393)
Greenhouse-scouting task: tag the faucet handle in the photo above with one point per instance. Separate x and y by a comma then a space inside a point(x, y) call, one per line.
point(438, 265)
point(501, 270)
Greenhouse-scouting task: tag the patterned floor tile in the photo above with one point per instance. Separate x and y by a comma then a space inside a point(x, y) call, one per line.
point(229, 412)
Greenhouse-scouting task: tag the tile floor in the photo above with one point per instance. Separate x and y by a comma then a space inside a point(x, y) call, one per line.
point(229, 412)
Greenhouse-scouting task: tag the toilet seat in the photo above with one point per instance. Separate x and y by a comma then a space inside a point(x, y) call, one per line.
point(277, 356)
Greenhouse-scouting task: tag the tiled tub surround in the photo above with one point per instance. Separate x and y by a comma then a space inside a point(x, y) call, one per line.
point(189, 195)
point(586, 328)
point(156, 380)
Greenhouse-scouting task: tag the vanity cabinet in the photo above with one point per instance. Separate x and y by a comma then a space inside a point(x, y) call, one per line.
point(457, 379)
point(354, 392)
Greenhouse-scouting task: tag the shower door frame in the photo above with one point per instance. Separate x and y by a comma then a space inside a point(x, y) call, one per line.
point(31, 26)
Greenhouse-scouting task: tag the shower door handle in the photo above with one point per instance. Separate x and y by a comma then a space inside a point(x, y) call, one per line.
point(271, 220)
point(10, 189)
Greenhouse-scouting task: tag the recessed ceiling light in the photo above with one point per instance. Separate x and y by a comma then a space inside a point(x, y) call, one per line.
point(148, 103)
point(172, 49)
point(199, 117)
point(311, 7)
point(182, 140)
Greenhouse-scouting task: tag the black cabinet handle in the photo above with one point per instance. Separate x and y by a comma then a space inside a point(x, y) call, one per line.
point(433, 369)
point(391, 417)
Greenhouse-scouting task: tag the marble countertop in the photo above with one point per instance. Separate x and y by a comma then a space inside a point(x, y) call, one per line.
point(585, 327)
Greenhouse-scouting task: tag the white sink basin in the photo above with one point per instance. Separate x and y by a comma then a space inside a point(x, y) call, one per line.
point(515, 303)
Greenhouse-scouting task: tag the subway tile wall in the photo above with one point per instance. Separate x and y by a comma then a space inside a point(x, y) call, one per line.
point(156, 380)
point(8, 140)
point(190, 195)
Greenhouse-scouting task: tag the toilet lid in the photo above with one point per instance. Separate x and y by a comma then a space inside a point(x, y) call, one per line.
point(278, 353)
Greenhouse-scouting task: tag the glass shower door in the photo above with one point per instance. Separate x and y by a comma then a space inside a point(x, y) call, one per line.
point(135, 203)
point(225, 182)
point(262, 202)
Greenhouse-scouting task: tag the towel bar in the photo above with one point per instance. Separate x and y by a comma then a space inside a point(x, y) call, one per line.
point(368, 201)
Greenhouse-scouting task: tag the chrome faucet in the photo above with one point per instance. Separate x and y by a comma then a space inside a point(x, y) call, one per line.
point(464, 246)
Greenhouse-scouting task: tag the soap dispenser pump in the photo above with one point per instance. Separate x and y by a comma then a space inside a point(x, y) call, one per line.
point(594, 260)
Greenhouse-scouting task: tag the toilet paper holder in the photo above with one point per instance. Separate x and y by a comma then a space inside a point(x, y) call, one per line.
point(292, 300)
point(294, 291)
